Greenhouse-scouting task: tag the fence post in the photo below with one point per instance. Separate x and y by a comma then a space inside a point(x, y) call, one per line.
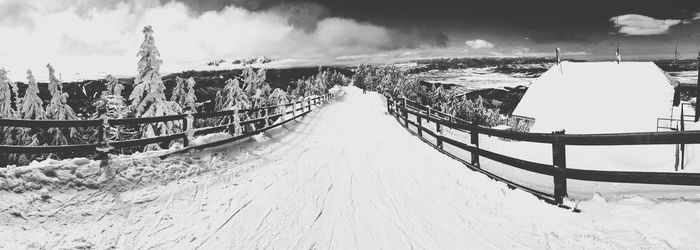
point(231, 128)
point(420, 126)
point(405, 112)
point(185, 140)
point(428, 112)
point(438, 128)
point(682, 129)
point(475, 141)
point(559, 162)
point(104, 147)
point(388, 105)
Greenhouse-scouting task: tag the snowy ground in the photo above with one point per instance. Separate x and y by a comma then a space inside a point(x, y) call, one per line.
point(641, 158)
point(347, 176)
point(475, 78)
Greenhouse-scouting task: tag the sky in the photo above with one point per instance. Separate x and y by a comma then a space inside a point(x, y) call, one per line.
point(89, 38)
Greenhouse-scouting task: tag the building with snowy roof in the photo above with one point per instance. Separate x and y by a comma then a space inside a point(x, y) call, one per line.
point(597, 97)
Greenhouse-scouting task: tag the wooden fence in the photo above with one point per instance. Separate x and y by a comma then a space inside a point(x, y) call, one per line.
point(401, 108)
point(299, 108)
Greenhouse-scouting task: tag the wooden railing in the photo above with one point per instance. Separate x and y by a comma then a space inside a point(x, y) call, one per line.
point(299, 108)
point(401, 108)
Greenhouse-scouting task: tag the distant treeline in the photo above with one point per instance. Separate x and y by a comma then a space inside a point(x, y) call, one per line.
point(83, 93)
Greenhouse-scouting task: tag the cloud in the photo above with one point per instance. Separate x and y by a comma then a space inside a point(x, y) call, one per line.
point(697, 16)
point(479, 44)
point(80, 37)
point(633, 24)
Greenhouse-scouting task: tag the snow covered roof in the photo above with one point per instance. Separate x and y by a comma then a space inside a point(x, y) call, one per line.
point(598, 97)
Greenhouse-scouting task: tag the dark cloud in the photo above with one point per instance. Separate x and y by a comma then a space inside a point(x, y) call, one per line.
point(304, 15)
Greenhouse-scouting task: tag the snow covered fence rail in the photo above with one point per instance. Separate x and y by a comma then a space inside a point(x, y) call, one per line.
point(302, 109)
point(105, 145)
point(401, 108)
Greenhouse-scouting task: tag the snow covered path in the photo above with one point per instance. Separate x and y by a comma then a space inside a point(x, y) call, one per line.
point(348, 176)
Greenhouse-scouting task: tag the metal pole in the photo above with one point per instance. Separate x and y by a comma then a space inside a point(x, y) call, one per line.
point(697, 93)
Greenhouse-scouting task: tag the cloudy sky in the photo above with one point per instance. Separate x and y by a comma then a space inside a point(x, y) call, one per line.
point(86, 38)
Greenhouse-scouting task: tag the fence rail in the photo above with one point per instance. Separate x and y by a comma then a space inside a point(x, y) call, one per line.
point(300, 107)
point(400, 108)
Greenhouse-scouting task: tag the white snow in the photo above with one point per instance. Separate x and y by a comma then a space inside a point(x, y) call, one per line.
point(475, 78)
point(346, 176)
point(598, 97)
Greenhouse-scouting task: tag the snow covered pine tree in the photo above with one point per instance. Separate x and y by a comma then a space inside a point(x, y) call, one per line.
point(7, 134)
point(58, 109)
point(148, 97)
point(183, 94)
point(232, 97)
point(113, 107)
point(6, 110)
point(31, 109)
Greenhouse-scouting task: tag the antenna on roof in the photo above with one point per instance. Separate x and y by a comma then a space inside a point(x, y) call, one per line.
point(675, 55)
point(618, 57)
point(697, 96)
point(559, 61)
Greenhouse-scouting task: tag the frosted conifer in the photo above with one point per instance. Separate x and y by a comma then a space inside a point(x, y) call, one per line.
point(184, 94)
point(6, 110)
point(31, 103)
point(114, 106)
point(7, 134)
point(148, 97)
point(113, 86)
point(253, 80)
point(58, 109)
point(231, 96)
point(190, 102)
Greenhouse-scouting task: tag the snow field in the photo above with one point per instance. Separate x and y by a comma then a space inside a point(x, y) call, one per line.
point(347, 176)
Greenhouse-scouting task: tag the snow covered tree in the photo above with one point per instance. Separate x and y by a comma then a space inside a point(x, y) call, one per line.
point(8, 135)
point(113, 106)
point(113, 86)
point(58, 109)
point(232, 97)
point(31, 108)
point(184, 94)
point(6, 110)
point(148, 97)
point(255, 86)
point(253, 80)
point(31, 103)
point(277, 97)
